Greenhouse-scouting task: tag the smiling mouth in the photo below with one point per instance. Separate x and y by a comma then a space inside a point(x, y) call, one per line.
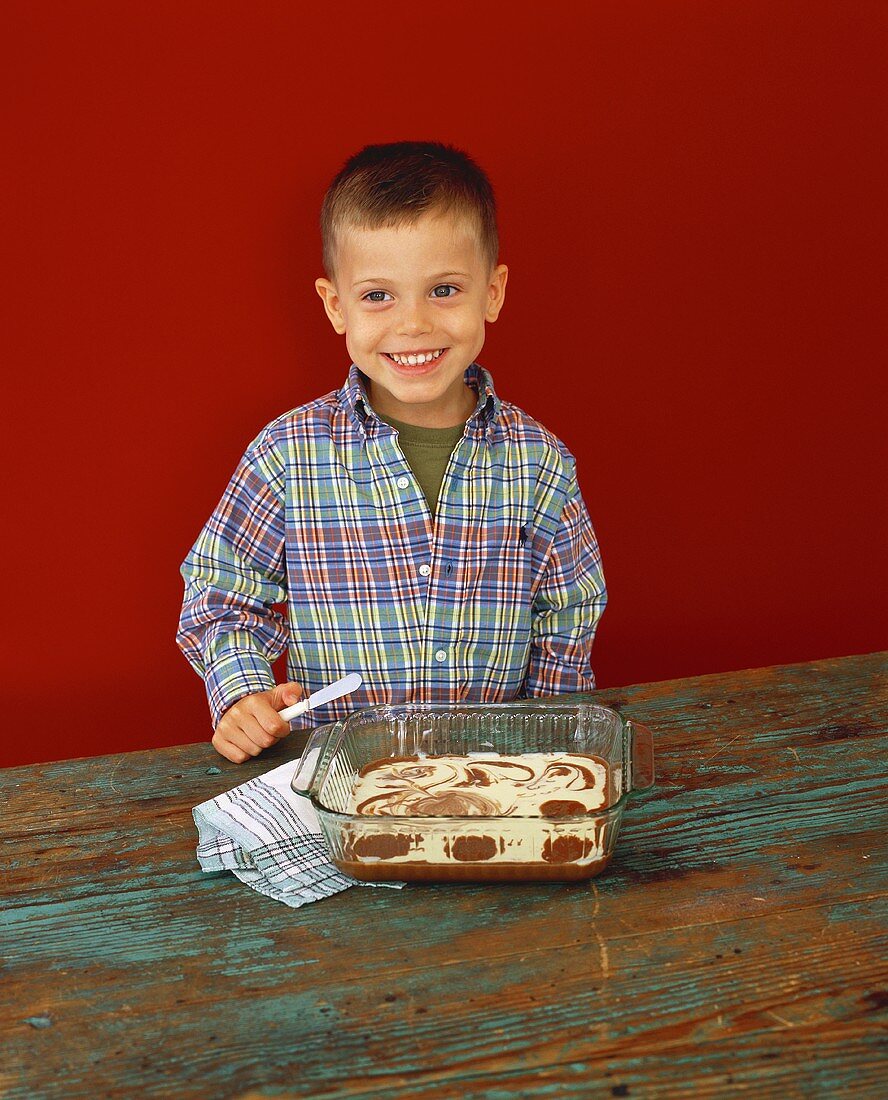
point(414, 359)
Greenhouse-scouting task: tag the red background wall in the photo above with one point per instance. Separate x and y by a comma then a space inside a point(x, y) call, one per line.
point(692, 208)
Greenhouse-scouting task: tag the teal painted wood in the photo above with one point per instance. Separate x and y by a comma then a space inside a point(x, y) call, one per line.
point(737, 940)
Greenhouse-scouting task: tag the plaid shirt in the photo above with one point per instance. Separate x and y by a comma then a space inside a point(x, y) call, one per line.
point(496, 596)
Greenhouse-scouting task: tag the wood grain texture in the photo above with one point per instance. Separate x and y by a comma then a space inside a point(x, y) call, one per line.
point(737, 942)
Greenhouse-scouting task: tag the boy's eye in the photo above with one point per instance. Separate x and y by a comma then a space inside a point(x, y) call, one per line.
point(445, 287)
point(374, 296)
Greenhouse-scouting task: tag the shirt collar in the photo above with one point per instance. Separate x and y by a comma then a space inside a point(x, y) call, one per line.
point(354, 398)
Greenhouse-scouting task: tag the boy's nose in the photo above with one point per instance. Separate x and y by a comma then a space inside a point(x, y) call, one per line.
point(413, 320)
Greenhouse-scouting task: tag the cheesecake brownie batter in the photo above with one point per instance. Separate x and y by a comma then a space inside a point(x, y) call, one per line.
point(519, 814)
point(542, 784)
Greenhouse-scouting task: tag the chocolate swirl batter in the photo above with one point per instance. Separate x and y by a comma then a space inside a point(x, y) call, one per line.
point(530, 785)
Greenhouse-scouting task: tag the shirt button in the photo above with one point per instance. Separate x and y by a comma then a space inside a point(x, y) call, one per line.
point(440, 656)
point(403, 482)
point(425, 570)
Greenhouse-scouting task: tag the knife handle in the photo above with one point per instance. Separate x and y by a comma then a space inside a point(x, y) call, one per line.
point(289, 713)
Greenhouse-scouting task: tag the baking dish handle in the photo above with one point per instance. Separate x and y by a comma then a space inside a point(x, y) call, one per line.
point(642, 741)
point(307, 768)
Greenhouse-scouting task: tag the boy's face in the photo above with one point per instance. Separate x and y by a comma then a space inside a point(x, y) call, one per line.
point(423, 290)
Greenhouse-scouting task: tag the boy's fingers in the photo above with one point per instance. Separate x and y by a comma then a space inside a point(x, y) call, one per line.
point(228, 750)
point(252, 737)
point(284, 695)
point(253, 717)
point(244, 732)
point(245, 741)
point(269, 722)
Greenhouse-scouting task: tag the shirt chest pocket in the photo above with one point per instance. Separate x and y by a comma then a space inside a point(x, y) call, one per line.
point(497, 562)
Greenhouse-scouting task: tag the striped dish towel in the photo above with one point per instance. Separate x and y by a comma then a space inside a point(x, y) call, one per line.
point(271, 839)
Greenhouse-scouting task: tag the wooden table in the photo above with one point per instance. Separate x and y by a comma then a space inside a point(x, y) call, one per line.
point(737, 940)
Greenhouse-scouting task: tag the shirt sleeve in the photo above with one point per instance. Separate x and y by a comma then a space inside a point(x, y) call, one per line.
point(229, 630)
point(567, 606)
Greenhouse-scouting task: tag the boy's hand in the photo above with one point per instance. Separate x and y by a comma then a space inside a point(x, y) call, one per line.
point(253, 723)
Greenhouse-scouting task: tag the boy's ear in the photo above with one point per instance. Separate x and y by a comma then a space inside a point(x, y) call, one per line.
point(496, 292)
point(328, 293)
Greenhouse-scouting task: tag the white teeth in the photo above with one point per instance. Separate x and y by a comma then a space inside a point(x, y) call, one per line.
point(415, 360)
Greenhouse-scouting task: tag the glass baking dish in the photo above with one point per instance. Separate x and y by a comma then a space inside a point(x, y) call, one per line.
point(476, 848)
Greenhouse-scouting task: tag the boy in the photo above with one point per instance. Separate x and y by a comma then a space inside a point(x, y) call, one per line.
point(422, 532)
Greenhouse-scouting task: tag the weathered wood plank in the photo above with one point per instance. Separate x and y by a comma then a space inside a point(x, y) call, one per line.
point(739, 931)
point(567, 1006)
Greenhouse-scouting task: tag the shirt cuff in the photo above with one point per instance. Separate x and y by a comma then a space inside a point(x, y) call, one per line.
point(238, 673)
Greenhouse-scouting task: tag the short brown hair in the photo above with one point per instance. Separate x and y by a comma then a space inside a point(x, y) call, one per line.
point(395, 184)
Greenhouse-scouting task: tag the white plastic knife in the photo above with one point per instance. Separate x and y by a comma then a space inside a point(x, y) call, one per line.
point(326, 695)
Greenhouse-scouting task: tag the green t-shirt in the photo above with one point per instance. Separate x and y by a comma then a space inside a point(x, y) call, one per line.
point(427, 451)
